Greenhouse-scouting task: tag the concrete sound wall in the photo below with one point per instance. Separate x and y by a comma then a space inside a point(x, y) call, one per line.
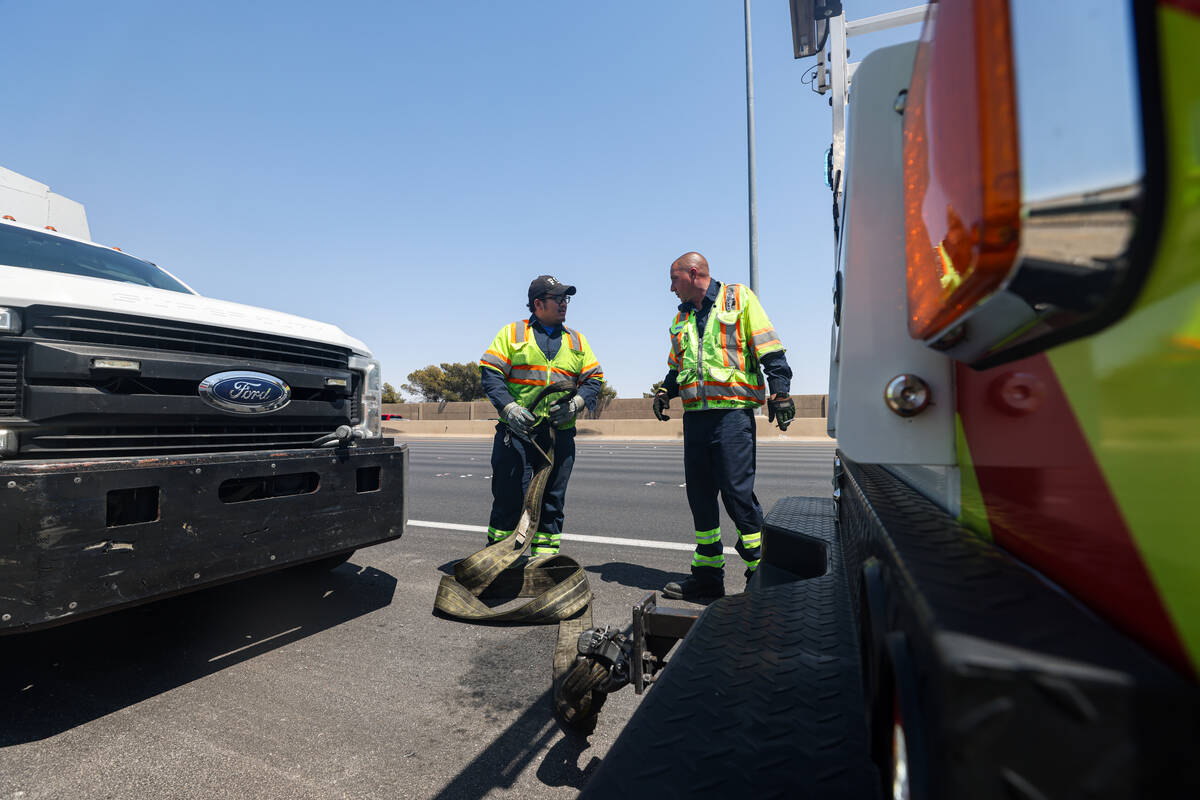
point(806, 429)
point(811, 406)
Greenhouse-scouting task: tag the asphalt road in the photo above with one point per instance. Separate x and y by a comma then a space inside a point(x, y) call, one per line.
point(305, 684)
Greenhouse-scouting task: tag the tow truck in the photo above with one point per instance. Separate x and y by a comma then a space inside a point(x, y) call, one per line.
point(998, 598)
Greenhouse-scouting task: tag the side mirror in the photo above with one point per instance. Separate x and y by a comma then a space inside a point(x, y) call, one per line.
point(810, 24)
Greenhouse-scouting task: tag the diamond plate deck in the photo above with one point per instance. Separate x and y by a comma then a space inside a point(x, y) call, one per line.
point(763, 698)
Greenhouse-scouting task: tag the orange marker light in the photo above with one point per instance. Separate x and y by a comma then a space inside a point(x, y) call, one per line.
point(52, 228)
point(962, 183)
point(10, 217)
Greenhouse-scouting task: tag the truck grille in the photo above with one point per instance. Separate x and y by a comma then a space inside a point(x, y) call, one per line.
point(94, 442)
point(10, 381)
point(102, 327)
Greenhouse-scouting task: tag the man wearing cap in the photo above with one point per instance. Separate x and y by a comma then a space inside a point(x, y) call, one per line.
point(721, 343)
point(524, 357)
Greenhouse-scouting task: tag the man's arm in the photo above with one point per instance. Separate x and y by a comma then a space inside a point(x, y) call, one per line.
point(494, 367)
point(589, 390)
point(591, 377)
point(495, 387)
point(671, 384)
point(778, 372)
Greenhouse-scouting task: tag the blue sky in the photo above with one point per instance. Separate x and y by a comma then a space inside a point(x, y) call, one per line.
point(404, 169)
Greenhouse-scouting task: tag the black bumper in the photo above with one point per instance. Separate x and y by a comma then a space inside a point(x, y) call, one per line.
point(83, 536)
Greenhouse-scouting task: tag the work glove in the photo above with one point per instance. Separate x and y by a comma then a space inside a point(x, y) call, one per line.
point(563, 412)
point(517, 417)
point(662, 402)
point(782, 409)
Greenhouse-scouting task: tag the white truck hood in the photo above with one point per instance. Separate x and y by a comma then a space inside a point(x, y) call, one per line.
point(21, 287)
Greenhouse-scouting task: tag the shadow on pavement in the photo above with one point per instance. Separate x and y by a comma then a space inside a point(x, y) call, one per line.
point(56, 679)
point(635, 576)
point(501, 764)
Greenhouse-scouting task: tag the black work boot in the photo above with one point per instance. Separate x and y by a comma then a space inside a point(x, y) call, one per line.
point(749, 577)
point(695, 587)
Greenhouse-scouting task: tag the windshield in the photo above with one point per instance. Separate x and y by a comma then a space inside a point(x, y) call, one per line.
point(33, 250)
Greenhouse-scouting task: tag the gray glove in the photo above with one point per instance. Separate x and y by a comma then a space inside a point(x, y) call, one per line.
point(563, 412)
point(517, 417)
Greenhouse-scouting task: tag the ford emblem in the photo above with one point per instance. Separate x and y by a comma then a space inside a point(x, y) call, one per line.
point(245, 392)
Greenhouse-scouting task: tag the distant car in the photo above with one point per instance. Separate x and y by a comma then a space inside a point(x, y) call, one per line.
point(392, 416)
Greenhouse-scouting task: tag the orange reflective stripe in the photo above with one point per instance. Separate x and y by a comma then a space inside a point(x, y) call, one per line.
point(520, 331)
point(576, 344)
point(501, 356)
point(724, 346)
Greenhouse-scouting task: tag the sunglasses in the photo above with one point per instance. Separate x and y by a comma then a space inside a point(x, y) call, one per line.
point(562, 300)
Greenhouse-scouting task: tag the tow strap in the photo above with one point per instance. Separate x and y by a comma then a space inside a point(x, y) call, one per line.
point(557, 585)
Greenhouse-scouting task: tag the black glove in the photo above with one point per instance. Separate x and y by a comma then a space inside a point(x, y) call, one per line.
point(783, 409)
point(661, 403)
point(562, 413)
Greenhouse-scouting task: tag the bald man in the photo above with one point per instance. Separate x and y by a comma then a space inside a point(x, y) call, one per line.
point(721, 343)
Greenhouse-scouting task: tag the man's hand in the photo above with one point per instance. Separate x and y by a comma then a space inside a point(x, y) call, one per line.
point(563, 412)
point(517, 417)
point(782, 408)
point(661, 403)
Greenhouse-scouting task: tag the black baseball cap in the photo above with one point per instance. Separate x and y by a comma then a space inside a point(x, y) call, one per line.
point(548, 286)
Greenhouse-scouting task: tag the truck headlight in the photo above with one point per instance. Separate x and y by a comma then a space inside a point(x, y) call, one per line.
point(10, 320)
point(370, 396)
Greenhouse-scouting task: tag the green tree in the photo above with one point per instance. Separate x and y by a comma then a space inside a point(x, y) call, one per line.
point(450, 382)
point(607, 393)
point(653, 389)
point(389, 393)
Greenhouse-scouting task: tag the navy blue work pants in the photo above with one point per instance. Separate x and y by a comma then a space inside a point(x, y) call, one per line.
point(719, 457)
point(513, 462)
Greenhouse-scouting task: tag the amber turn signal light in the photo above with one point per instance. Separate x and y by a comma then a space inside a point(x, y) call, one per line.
point(961, 163)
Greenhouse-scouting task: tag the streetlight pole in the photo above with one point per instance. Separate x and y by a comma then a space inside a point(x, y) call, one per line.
point(750, 155)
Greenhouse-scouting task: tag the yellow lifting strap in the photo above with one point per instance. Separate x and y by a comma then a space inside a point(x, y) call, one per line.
point(557, 585)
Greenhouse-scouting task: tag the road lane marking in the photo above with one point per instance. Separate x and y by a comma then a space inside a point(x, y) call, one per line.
point(254, 644)
point(571, 537)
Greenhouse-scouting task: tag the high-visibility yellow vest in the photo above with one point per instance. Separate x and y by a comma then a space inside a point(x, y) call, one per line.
point(724, 372)
point(516, 356)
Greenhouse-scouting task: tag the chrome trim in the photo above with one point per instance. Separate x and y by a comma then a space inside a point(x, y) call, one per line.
point(1082, 175)
point(370, 395)
point(208, 387)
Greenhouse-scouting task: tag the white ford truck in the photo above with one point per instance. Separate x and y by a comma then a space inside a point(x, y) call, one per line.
point(153, 441)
